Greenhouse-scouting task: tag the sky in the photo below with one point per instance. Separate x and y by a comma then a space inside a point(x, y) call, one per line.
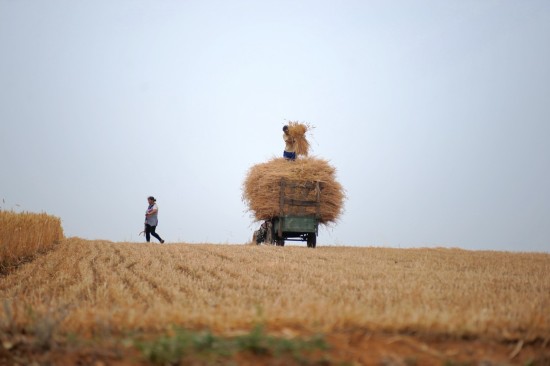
point(435, 114)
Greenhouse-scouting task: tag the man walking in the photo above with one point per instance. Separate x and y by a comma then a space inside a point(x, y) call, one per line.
point(151, 220)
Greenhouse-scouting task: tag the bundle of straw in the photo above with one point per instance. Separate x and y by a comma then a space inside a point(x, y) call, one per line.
point(261, 188)
point(298, 131)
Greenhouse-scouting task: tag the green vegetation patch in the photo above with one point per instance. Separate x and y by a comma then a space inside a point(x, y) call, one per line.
point(183, 344)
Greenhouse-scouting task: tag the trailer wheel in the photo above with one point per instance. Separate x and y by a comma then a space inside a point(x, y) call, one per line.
point(269, 235)
point(311, 240)
point(280, 242)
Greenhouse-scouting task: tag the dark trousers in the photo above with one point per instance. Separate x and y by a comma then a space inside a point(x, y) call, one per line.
point(150, 230)
point(289, 155)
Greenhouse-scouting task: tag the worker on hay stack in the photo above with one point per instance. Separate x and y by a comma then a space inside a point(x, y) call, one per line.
point(290, 145)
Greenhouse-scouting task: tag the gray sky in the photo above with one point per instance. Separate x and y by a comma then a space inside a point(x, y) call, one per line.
point(436, 115)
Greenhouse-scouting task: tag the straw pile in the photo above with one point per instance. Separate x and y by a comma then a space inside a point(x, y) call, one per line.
point(24, 235)
point(261, 188)
point(298, 132)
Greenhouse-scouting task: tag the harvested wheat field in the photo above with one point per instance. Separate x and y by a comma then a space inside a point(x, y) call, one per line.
point(105, 303)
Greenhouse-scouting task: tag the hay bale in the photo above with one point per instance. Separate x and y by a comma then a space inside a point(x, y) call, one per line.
point(298, 131)
point(261, 188)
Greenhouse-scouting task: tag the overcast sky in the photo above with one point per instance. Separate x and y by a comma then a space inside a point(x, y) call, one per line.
point(436, 115)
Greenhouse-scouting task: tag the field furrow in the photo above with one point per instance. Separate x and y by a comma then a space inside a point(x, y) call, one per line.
point(100, 284)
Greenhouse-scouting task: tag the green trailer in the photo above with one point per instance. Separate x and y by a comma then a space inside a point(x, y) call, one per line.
point(295, 228)
point(299, 215)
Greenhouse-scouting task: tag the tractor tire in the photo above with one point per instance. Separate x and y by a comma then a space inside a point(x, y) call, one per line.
point(311, 240)
point(269, 236)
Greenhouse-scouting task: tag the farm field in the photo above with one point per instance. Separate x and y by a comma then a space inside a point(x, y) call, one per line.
point(106, 303)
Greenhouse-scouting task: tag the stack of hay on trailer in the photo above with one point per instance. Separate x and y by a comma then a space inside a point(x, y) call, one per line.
point(311, 179)
point(262, 187)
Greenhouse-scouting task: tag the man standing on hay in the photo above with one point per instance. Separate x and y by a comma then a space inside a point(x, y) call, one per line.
point(296, 143)
point(290, 142)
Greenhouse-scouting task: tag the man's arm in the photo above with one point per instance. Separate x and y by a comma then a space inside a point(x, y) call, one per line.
point(154, 210)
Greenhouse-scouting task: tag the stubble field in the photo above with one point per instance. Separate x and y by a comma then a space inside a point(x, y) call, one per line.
point(103, 303)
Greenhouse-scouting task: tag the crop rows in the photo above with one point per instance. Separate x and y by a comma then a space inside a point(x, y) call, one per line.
point(99, 286)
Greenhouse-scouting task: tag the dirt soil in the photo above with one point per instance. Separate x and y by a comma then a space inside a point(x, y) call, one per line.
point(345, 348)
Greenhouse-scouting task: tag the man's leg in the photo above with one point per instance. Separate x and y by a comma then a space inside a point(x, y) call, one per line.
point(289, 155)
point(153, 232)
point(147, 233)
